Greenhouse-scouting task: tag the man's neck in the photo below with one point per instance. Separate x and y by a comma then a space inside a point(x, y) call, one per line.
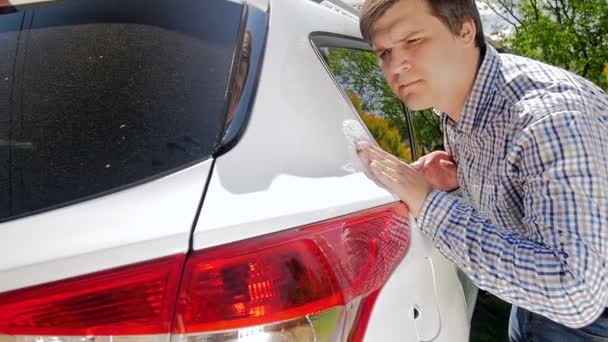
point(454, 111)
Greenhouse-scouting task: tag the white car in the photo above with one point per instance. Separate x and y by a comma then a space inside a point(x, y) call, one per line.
point(185, 170)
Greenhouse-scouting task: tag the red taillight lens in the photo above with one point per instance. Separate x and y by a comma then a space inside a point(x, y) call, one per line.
point(292, 273)
point(138, 299)
point(275, 284)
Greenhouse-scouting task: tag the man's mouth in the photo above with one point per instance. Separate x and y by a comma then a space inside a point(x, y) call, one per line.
point(404, 86)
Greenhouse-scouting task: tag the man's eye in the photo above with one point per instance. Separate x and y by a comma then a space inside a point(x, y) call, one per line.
point(413, 41)
point(384, 53)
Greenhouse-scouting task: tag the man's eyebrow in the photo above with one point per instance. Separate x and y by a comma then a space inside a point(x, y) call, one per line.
point(405, 37)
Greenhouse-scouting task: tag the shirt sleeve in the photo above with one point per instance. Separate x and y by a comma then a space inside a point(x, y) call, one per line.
point(559, 268)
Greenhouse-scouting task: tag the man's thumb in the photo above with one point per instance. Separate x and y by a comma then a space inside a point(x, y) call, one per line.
point(446, 163)
point(417, 165)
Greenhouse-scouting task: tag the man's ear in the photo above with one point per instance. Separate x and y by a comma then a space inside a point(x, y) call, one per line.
point(468, 31)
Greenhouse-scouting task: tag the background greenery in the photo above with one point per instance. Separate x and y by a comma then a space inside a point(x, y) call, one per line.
point(572, 34)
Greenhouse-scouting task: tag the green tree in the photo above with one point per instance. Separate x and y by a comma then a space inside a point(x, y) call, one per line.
point(572, 34)
point(428, 134)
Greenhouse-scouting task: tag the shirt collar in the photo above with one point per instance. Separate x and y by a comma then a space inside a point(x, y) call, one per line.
point(476, 113)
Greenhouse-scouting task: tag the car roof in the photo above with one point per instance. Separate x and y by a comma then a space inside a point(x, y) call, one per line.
point(262, 4)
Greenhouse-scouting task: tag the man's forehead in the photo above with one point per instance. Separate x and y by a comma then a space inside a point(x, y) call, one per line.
point(386, 36)
point(401, 19)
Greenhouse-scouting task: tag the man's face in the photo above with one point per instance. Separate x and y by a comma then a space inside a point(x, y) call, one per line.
point(420, 57)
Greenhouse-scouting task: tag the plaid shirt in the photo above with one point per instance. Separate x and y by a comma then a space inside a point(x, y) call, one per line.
point(532, 155)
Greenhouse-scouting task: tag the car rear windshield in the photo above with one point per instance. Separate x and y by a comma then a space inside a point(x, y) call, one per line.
point(96, 95)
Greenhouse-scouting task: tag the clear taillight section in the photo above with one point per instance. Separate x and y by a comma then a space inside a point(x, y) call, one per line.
point(324, 326)
point(319, 281)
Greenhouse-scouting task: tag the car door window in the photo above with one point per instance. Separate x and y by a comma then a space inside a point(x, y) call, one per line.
point(359, 75)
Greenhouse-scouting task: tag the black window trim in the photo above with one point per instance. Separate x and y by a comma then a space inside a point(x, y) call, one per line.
point(255, 21)
point(326, 39)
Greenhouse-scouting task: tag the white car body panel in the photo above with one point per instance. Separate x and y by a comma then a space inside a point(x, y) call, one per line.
point(296, 165)
point(261, 186)
point(442, 318)
point(141, 223)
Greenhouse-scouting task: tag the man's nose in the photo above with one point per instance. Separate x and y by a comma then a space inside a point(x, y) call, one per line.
point(400, 62)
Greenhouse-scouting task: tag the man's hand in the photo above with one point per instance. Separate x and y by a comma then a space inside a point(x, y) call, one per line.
point(439, 170)
point(402, 179)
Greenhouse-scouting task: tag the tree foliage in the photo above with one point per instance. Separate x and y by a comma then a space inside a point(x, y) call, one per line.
point(386, 136)
point(428, 132)
point(572, 34)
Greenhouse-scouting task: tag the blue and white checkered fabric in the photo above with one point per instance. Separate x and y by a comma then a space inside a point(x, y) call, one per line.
point(532, 155)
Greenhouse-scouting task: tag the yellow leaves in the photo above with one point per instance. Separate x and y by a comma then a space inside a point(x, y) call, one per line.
point(606, 72)
point(355, 100)
point(387, 137)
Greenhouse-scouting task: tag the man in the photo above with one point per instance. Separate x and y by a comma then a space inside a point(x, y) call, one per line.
point(526, 143)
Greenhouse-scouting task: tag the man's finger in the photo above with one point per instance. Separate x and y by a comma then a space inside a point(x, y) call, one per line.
point(364, 156)
point(380, 158)
point(384, 157)
point(385, 175)
point(409, 170)
point(427, 164)
point(368, 156)
point(375, 149)
point(419, 164)
point(387, 155)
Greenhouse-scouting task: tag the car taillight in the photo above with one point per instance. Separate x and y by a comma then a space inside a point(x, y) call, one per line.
point(132, 300)
point(332, 266)
point(316, 282)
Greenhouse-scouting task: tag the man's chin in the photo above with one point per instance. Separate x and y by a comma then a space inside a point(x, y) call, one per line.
point(416, 108)
point(414, 101)
point(412, 104)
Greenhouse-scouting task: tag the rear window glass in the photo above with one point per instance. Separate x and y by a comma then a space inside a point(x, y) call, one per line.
point(99, 94)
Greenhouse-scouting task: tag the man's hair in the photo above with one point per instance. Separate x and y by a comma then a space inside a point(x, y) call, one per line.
point(451, 12)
